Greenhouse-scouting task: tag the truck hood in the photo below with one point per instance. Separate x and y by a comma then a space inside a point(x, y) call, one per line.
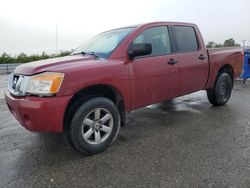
point(56, 64)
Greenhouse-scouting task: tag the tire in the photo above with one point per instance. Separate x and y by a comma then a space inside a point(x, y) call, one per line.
point(94, 126)
point(222, 90)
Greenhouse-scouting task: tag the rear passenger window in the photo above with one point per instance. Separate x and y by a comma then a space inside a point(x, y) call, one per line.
point(158, 37)
point(186, 39)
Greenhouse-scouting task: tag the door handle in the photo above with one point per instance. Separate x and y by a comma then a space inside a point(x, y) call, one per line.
point(172, 61)
point(202, 57)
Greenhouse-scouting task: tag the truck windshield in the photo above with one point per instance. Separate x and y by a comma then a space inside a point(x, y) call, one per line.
point(102, 45)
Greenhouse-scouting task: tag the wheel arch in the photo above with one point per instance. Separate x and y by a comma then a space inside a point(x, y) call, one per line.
point(227, 68)
point(215, 73)
point(99, 90)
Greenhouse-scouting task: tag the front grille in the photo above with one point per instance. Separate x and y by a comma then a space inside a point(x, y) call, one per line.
point(17, 84)
point(14, 81)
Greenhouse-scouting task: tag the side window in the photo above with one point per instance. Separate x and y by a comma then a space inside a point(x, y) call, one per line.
point(186, 39)
point(158, 37)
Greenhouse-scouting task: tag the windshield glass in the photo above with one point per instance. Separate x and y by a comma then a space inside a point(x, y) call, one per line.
point(102, 45)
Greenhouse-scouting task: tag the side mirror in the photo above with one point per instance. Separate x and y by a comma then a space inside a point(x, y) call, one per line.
point(139, 50)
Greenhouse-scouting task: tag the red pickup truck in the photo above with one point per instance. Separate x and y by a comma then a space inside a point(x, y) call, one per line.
point(87, 94)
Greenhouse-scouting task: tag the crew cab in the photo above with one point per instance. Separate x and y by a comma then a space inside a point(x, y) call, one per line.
point(88, 94)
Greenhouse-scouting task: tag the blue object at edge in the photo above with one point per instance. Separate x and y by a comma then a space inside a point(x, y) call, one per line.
point(246, 66)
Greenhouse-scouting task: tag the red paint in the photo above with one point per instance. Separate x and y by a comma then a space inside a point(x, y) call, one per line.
point(38, 114)
point(141, 81)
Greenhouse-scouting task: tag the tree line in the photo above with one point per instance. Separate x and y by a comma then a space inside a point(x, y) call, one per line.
point(24, 58)
point(227, 43)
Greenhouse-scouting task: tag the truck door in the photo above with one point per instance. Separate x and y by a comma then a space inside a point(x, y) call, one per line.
point(193, 60)
point(154, 77)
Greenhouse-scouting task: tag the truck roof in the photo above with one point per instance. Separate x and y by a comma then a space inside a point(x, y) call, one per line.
point(154, 24)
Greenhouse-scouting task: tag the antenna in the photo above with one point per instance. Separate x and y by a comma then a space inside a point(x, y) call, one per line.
point(56, 39)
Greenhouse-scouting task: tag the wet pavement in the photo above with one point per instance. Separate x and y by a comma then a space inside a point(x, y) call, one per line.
point(3, 84)
point(184, 142)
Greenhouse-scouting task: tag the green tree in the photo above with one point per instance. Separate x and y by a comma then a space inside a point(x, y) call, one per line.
point(230, 43)
point(211, 44)
point(24, 58)
point(64, 53)
point(6, 58)
point(227, 43)
point(219, 45)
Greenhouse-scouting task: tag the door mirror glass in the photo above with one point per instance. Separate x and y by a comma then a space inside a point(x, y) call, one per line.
point(140, 49)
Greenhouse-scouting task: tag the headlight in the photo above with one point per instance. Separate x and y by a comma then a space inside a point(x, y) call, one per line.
point(45, 84)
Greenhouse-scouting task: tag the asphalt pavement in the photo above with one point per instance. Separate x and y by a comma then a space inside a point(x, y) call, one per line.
point(3, 84)
point(185, 142)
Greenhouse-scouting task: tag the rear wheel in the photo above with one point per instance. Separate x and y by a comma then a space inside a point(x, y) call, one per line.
point(94, 126)
point(221, 92)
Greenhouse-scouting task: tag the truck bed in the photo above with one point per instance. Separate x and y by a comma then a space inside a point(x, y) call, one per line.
point(233, 56)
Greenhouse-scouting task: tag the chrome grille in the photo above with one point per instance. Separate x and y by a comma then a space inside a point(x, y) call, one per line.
point(15, 81)
point(17, 84)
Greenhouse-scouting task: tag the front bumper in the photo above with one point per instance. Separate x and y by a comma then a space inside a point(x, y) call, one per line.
point(38, 114)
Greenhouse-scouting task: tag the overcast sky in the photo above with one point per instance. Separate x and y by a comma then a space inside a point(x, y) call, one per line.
point(30, 25)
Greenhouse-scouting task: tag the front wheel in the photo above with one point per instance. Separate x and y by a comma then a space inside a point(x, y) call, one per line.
point(94, 126)
point(222, 90)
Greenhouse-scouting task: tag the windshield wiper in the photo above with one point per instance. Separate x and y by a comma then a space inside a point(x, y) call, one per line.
point(88, 53)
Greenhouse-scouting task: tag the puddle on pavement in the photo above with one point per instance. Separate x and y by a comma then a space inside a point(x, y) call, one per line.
point(191, 103)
